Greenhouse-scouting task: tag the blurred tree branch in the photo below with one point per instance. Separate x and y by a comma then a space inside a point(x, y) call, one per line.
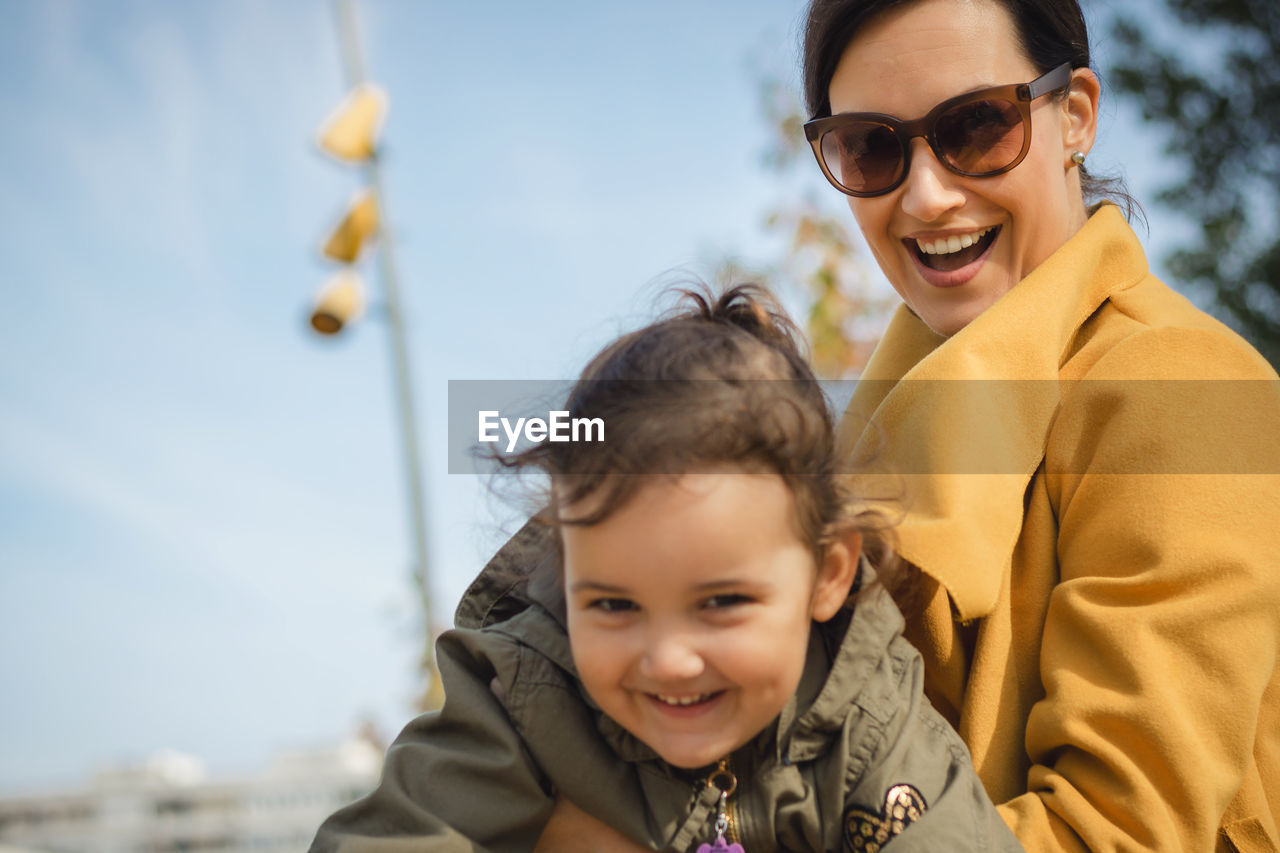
point(845, 316)
point(1223, 125)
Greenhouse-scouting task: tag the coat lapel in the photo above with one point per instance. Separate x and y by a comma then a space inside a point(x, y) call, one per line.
point(945, 434)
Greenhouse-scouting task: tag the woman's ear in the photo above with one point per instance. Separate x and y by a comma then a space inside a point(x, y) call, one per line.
point(1080, 111)
point(835, 576)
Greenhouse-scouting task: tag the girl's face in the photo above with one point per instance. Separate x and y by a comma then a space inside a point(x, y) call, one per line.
point(905, 62)
point(689, 610)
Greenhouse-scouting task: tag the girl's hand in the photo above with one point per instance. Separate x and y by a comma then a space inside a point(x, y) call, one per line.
point(572, 830)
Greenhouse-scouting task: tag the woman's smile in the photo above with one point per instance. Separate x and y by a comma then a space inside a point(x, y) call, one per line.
point(951, 259)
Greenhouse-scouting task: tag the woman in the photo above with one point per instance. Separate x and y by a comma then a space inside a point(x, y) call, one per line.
point(1107, 646)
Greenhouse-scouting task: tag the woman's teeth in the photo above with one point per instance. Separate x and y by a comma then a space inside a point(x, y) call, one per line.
point(681, 700)
point(948, 245)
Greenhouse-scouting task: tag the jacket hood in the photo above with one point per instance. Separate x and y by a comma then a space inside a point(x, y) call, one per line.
point(526, 570)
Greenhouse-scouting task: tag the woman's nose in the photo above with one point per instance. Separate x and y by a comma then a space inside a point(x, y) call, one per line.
point(671, 656)
point(930, 189)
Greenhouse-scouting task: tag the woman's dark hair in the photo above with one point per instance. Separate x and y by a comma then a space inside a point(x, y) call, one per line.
point(1051, 32)
point(720, 382)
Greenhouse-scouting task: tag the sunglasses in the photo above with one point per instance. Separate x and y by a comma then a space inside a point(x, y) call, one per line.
point(977, 135)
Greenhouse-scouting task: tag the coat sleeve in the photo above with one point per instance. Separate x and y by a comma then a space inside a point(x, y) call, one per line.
point(1163, 632)
point(456, 781)
point(917, 789)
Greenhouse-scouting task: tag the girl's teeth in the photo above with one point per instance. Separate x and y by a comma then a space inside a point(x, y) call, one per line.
point(947, 245)
point(681, 700)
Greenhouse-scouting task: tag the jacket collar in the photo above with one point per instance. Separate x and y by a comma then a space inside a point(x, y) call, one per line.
point(847, 672)
point(962, 453)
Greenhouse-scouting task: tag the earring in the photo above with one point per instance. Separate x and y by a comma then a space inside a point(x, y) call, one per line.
point(1078, 158)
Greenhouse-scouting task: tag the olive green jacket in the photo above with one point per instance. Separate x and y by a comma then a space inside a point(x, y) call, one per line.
point(856, 759)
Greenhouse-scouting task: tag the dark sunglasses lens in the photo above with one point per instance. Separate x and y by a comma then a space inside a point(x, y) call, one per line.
point(863, 156)
point(980, 137)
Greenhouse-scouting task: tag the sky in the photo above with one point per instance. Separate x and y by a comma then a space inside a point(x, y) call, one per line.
point(203, 528)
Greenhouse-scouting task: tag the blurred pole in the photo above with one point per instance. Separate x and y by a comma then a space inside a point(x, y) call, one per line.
point(353, 61)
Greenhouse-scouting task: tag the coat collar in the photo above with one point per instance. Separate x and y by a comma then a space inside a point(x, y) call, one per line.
point(953, 459)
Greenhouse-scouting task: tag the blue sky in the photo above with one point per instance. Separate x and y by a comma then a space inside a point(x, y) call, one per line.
point(202, 528)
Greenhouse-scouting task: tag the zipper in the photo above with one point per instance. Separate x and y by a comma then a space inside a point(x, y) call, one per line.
point(724, 779)
point(731, 831)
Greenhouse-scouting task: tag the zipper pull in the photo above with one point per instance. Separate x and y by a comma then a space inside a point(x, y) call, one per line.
point(720, 845)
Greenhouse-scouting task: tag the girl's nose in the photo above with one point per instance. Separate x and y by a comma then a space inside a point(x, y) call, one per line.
point(930, 189)
point(671, 657)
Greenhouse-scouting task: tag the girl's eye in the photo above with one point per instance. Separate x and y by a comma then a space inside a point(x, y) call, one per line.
point(722, 602)
point(612, 605)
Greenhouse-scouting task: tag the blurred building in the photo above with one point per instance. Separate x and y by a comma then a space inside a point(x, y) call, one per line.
point(169, 804)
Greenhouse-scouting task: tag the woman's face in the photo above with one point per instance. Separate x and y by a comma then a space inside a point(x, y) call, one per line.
point(905, 62)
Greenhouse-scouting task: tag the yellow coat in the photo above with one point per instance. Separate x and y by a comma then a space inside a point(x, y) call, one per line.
point(1099, 548)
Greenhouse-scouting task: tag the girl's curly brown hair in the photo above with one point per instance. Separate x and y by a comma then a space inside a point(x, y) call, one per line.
point(719, 382)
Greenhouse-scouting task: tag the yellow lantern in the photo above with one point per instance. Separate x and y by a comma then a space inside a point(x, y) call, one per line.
point(339, 302)
point(351, 132)
point(354, 231)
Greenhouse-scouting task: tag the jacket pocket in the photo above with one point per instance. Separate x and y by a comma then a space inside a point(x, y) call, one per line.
point(1246, 836)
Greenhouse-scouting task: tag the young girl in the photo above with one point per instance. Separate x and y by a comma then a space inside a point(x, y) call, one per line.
point(686, 645)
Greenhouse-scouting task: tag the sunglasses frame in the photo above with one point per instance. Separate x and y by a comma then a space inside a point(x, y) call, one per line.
point(1019, 94)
